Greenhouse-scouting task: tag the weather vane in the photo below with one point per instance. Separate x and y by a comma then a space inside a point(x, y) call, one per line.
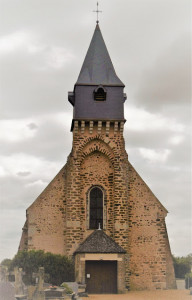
point(97, 11)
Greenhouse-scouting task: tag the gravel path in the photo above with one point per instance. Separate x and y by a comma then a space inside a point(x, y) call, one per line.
point(7, 291)
point(146, 295)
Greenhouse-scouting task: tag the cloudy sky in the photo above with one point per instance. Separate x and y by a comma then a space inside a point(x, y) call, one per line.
point(42, 47)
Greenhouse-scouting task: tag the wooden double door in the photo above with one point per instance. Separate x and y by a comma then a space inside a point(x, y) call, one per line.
point(101, 277)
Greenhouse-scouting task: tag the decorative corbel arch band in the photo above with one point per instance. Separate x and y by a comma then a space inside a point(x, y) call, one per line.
point(97, 138)
point(96, 145)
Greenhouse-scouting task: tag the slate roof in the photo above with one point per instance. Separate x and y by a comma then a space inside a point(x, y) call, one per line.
point(99, 242)
point(97, 67)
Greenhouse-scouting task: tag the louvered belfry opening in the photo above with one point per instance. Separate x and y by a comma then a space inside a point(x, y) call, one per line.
point(96, 208)
point(100, 94)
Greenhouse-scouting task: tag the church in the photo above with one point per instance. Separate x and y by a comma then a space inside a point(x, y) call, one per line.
point(97, 208)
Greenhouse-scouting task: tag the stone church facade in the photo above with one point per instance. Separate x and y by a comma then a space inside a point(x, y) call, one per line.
point(97, 208)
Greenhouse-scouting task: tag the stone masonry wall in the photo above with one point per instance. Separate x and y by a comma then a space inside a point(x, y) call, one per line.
point(148, 240)
point(23, 245)
point(46, 218)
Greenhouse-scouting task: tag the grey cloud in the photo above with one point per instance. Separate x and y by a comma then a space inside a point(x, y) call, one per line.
point(23, 174)
point(168, 81)
point(52, 142)
point(31, 92)
point(180, 154)
point(181, 158)
point(32, 126)
point(147, 138)
point(183, 244)
point(15, 197)
point(166, 180)
point(11, 236)
point(20, 195)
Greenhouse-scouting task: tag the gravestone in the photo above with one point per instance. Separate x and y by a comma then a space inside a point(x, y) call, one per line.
point(19, 285)
point(4, 274)
point(54, 294)
point(37, 292)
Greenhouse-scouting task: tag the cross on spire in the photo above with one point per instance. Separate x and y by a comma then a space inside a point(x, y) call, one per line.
point(97, 11)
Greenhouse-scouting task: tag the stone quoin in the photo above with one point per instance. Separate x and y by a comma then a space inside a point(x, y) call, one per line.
point(97, 208)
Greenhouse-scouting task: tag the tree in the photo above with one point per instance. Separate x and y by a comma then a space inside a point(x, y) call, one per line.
point(6, 262)
point(59, 268)
point(182, 265)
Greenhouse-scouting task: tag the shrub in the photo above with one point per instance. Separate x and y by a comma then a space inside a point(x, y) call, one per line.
point(182, 265)
point(188, 280)
point(6, 262)
point(68, 290)
point(57, 268)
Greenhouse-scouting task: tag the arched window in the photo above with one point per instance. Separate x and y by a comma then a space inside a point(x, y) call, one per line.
point(100, 94)
point(96, 208)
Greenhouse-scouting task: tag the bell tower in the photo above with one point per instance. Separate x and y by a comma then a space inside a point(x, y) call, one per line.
point(98, 93)
point(98, 144)
point(98, 191)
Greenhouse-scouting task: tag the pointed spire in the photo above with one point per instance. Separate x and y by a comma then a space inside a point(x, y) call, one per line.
point(97, 67)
